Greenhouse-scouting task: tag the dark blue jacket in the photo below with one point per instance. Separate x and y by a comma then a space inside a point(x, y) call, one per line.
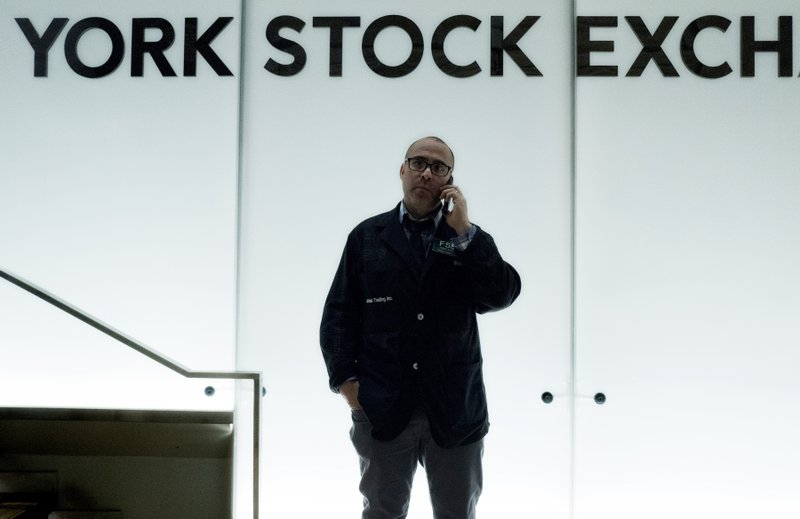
point(409, 332)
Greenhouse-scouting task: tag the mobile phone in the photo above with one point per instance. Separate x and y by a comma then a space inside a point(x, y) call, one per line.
point(447, 203)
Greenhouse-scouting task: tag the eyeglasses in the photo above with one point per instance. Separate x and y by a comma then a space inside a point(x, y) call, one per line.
point(440, 169)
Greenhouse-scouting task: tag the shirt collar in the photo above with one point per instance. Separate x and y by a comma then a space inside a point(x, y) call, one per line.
point(437, 215)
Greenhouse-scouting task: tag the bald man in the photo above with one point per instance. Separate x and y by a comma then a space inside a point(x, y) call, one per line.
point(399, 337)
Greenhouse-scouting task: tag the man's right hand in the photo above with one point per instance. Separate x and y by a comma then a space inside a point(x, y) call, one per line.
point(349, 390)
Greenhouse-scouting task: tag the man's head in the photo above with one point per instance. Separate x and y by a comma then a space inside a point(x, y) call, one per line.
point(421, 188)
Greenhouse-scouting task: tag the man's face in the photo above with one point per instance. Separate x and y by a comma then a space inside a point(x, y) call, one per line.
point(421, 188)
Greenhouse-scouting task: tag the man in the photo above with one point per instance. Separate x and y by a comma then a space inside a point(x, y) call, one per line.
point(400, 340)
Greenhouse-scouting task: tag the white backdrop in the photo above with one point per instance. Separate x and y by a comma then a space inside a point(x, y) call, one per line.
point(323, 153)
point(119, 194)
point(688, 292)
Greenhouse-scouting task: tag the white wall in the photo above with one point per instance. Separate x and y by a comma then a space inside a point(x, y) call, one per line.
point(119, 194)
point(323, 153)
point(687, 281)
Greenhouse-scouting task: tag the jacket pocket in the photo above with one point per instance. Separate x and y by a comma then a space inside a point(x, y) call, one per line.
point(466, 396)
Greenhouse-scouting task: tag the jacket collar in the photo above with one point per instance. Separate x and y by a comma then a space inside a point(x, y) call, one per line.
point(394, 235)
point(437, 214)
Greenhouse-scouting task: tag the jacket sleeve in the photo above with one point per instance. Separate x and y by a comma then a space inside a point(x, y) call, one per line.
point(493, 283)
point(340, 330)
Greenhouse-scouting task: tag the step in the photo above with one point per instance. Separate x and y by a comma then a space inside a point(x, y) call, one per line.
point(85, 514)
point(25, 482)
point(111, 432)
point(27, 494)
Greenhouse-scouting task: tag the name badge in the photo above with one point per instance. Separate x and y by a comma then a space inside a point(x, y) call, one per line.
point(445, 247)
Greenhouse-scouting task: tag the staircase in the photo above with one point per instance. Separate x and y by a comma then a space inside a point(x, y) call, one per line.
point(27, 494)
point(33, 495)
point(110, 464)
point(146, 464)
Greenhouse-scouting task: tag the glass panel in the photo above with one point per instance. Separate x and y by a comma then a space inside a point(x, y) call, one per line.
point(687, 279)
point(51, 359)
point(118, 195)
point(244, 455)
point(322, 153)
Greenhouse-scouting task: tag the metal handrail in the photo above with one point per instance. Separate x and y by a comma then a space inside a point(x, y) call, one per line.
point(255, 376)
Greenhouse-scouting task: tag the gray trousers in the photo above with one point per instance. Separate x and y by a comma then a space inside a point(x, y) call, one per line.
point(455, 476)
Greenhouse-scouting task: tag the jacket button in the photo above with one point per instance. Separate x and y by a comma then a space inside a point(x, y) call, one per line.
point(415, 366)
point(420, 317)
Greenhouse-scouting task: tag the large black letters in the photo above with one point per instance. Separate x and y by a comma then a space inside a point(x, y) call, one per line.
point(192, 45)
point(153, 37)
point(688, 54)
point(651, 46)
point(368, 46)
point(585, 46)
point(437, 46)
point(140, 47)
point(783, 46)
point(500, 45)
point(73, 38)
point(336, 24)
point(41, 44)
point(290, 47)
point(508, 45)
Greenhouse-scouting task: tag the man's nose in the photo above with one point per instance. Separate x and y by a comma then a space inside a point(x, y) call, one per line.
point(426, 173)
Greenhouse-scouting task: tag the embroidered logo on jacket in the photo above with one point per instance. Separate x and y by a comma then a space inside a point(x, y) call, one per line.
point(445, 247)
point(383, 299)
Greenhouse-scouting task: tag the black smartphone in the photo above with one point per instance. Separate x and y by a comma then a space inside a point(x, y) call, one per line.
point(447, 204)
